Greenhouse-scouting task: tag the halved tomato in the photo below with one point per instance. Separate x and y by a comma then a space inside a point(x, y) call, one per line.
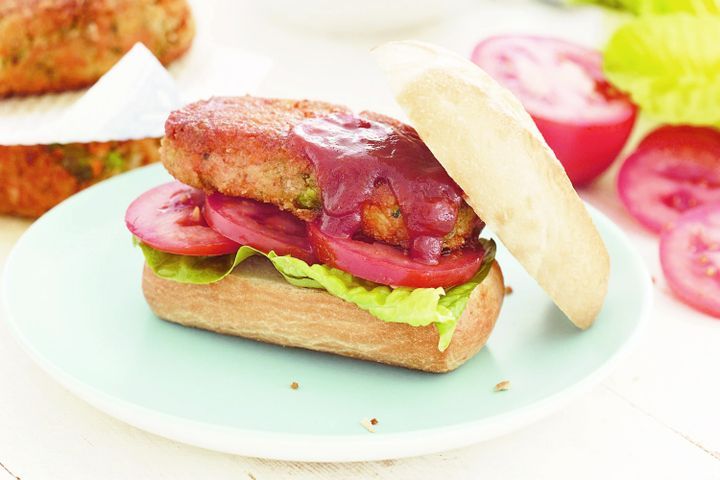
point(258, 225)
point(674, 169)
point(690, 257)
point(389, 265)
point(581, 116)
point(169, 218)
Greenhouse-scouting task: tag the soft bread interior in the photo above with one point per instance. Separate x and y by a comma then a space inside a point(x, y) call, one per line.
point(255, 302)
point(490, 146)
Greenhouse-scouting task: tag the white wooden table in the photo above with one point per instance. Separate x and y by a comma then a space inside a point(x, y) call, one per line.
point(657, 417)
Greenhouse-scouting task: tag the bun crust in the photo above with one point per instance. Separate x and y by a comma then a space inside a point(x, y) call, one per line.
point(253, 301)
point(490, 146)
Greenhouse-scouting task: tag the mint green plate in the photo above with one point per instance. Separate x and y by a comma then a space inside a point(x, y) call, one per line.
point(73, 300)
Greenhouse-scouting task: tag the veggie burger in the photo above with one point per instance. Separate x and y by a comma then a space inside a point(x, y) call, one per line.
point(304, 224)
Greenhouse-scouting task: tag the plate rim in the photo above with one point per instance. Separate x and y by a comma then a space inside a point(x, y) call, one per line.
point(363, 446)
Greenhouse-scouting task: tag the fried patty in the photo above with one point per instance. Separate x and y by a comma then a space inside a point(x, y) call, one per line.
point(56, 45)
point(240, 147)
point(35, 178)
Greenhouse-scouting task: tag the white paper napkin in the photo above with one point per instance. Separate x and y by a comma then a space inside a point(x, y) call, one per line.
point(133, 99)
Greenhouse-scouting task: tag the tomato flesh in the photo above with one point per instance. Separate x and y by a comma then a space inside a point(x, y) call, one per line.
point(259, 225)
point(690, 258)
point(169, 218)
point(674, 169)
point(582, 117)
point(387, 265)
point(179, 219)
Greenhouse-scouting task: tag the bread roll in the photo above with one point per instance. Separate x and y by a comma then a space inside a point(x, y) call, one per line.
point(256, 302)
point(489, 145)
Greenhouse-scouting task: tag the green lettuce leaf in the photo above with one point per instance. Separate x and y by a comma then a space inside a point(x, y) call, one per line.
point(670, 65)
point(418, 307)
point(654, 7)
point(617, 4)
point(696, 7)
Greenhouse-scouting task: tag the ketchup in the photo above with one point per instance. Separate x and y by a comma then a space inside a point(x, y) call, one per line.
point(352, 155)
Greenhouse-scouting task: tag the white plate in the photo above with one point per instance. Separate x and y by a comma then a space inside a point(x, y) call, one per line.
point(73, 299)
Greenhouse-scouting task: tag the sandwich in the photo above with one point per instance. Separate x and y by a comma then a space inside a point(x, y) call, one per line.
point(304, 224)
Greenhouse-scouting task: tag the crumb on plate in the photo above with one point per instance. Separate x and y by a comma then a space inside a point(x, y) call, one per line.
point(294, 385)
point(508, 290)
point(368, 425)
point(502, 386)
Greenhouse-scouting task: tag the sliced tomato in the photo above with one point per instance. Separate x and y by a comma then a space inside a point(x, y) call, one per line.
point(381, 263)
point(258, 225)
point(673, 170)
point(581, 116)
point(690, 257)
point(169, 218)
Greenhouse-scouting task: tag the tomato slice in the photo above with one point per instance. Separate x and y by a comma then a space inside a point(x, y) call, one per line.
point(581, 116)
point(673, 170)
point(258, 225)
point(690, 257)
point(381, 263)
point(169, 218)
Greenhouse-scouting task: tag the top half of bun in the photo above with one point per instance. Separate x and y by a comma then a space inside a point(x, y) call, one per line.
point(490, 146)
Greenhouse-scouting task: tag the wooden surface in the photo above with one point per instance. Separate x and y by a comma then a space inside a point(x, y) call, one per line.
point(657, 416)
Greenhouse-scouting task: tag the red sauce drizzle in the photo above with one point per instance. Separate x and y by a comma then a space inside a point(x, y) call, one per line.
point(352, 155)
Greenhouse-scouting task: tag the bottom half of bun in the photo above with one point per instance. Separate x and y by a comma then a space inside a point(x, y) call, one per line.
point(256, 302)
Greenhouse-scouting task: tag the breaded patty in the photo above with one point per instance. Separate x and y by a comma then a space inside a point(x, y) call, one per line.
point(56, 45)
point(240, 147)
point(35, 178)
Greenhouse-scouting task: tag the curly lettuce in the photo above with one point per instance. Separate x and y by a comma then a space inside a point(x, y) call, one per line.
point(418, 307)
point(669, 65)
point(655, 7)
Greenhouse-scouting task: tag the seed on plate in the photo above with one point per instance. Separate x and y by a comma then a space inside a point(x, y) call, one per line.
point(367, 424)
point(374, 421)
point(502, 386)
point(294, 385)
